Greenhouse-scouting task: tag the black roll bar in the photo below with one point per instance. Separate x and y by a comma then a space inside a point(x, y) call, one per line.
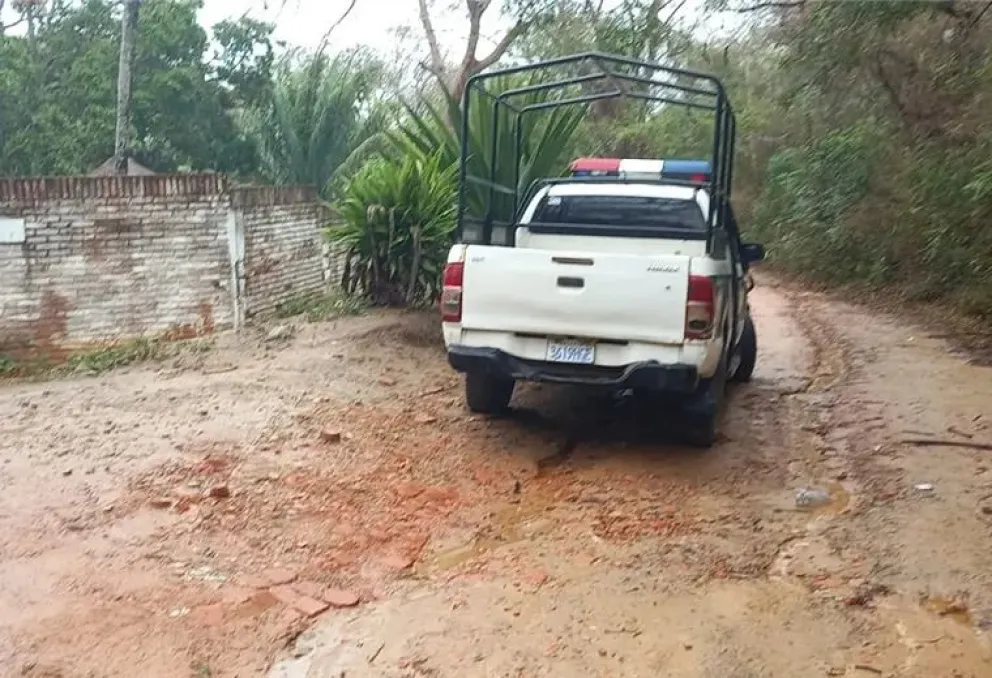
point(703, 92)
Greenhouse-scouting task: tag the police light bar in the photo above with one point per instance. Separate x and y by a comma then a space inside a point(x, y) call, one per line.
point(639, 168)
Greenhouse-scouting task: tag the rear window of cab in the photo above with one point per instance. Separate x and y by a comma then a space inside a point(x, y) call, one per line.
point(621, 210)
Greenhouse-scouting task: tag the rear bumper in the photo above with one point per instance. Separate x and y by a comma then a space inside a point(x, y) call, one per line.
point(645, 375)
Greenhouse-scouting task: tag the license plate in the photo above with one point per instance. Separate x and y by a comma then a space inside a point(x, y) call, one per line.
point(571, 352)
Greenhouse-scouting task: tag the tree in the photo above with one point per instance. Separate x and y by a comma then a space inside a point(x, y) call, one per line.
point(59, 105)
point(639, 29)
point(28, 12)
point(57, 91)
point(453, 78)
point(644, 29)
point(181, 114)
point(863, 142)
point(244, 59)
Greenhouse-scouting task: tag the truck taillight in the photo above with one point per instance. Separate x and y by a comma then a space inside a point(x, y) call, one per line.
point(699, 308)
point(451, 292)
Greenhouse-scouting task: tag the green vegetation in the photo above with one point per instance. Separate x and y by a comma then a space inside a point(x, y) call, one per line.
point(322, 307)
point(398, 208)
point(318, 116)
point(878, 171)
point(230, 106)
point(58, 89)
point(542, 154)
point(129, 352)
point(103, 359)
point(398, 217)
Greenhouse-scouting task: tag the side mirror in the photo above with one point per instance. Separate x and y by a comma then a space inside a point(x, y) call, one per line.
point(752, 253)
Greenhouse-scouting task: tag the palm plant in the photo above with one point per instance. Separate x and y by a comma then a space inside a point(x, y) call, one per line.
point(321, 113)
point(398, 216)
point(398, 210)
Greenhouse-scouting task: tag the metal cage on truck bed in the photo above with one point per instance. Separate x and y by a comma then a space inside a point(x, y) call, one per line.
point(626, 78)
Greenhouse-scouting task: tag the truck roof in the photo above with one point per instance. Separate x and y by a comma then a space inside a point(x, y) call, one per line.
point(633, 189)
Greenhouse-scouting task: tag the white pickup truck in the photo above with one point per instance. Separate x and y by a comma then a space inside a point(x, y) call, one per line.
point(617, 284)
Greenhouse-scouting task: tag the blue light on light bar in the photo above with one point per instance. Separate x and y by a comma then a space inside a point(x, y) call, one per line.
point(686, 167)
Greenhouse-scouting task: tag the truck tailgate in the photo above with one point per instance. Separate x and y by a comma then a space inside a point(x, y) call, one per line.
point(576, 294)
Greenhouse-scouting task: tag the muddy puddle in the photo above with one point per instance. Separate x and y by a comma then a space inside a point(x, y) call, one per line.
point(838, 502)
point(949, 608)
point(509, 525)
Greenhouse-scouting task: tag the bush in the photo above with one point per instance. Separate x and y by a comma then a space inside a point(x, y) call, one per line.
point(848, 207)
point(876, 121)
point(400, 208)
point(399, 217)
point(812, 195)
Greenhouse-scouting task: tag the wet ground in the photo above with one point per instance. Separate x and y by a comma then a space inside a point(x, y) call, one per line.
point(325, 506)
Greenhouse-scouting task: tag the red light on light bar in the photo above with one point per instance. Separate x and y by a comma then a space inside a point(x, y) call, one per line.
point(701, 178)
point(596, 165)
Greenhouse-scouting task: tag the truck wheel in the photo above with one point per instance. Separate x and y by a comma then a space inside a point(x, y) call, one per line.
point(486, 394)
point(702, 415)
point(747, 352)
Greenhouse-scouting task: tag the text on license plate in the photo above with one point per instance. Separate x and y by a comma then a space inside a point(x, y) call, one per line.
point(571, 352)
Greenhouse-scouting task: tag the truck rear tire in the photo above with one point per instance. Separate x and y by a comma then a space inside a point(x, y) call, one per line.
point(747, 352)
point(702, 416)
point(486, 394)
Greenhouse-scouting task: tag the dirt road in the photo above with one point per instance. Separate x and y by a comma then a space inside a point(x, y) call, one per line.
point(326, 507)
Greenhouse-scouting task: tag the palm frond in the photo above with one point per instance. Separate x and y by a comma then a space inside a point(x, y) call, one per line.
point(318, 117)
point(545, 140)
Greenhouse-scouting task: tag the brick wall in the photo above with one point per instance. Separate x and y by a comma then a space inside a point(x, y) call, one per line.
point(283, 252)
point(94, 259)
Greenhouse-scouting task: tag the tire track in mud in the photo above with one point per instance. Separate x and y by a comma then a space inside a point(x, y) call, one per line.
point(812, 406)
point(850, 438)
point(743, 475)
point(811, 411)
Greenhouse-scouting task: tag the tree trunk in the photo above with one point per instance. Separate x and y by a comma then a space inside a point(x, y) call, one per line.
point(129, 25)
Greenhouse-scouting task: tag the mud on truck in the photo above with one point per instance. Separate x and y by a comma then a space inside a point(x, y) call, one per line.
point(627, 274)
